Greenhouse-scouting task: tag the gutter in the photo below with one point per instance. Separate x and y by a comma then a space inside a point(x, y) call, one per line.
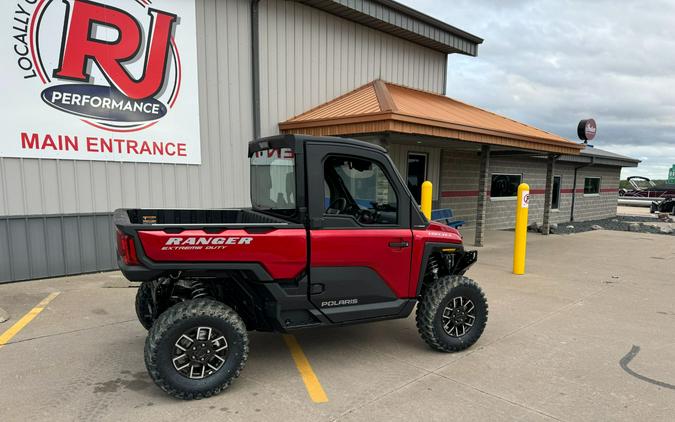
point(255, 66)
point(574, 185)
point(401, 21)
point(430, 20)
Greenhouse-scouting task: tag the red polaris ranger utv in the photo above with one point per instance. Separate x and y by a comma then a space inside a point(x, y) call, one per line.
point(333, 237)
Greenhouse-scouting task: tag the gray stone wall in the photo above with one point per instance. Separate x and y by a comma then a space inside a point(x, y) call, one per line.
point(502, 211)
point(603, 205)
point(459, 188)
point(459, 173)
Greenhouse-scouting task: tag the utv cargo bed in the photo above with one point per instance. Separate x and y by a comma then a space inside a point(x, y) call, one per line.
point(194, 217)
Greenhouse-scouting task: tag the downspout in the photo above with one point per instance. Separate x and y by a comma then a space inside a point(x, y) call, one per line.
point(445, 76)
point(255, 66)
point(574, 185)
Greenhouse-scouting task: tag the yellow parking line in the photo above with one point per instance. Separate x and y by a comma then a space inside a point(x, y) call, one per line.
point(20, 324)
point(310, 379)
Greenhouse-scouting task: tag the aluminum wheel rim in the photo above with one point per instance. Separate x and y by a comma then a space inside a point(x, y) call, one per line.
point(200, 352)
point(459, 316)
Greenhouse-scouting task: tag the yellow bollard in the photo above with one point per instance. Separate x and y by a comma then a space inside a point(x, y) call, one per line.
point(426, 199)
point(520, 238)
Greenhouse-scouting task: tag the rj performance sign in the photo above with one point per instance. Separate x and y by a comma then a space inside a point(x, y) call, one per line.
point(100, 80)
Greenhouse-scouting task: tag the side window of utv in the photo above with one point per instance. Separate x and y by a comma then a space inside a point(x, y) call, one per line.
point(359, 188)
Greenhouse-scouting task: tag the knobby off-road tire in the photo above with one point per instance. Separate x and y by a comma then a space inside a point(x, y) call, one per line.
point(144, 305)
point(445, 302)
point(186, 317)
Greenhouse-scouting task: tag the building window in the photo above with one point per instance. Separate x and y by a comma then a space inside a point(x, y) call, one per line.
point(505, 185)
point(555, 198)
point(591, 186)
point(417, 174)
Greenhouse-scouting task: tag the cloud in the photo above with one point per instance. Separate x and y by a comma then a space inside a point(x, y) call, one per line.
point(550, 63)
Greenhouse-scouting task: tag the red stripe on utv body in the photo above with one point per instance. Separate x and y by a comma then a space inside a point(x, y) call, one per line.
point(283, 253)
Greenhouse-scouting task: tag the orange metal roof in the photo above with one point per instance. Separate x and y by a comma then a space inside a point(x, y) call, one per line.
point(384, 107)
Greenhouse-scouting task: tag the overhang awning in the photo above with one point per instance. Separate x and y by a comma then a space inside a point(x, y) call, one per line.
point(380, 107)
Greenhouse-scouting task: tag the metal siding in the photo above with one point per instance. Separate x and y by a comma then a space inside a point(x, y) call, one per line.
point(19, 251)
point(84, 184)
point(3, 189)
point(208, 86)
point(67, 183)
point(103, 229)
point(99, 193)
point(72, 249)
point(30, 179)
point(12, 168)
point(50, 183)
point(53, 245)
point(114, 180)
point(312, 57)
point(87, 236)
point(37, 251)
point(5, 254)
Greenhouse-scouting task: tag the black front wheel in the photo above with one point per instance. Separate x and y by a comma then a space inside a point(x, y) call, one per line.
point(196, 348)
point(452, 314)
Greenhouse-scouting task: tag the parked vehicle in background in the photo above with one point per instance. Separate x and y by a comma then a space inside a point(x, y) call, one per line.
point(644, 188)
point(666, 205)
point(333, 237)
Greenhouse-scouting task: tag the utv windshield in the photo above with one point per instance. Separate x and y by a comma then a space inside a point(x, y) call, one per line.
point(273, 179)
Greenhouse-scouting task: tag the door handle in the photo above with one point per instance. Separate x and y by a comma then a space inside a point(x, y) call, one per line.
point(403, 244)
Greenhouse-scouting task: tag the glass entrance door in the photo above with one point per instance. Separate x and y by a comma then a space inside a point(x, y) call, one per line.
point(555, 199)
point(417, 173)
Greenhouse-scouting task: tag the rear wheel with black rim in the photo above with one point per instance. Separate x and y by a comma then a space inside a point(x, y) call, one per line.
point(196, 348)
point(452, 314)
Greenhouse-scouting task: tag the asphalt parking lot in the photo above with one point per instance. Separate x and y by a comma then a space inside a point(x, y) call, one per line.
point(586, 334)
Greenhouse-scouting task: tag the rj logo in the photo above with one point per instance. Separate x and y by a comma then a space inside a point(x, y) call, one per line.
point(79, 46)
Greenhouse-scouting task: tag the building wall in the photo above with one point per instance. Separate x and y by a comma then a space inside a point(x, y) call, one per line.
point(501, 211)
point(44, 246)
point(591, 207)
point(459, 183)
point(459, 189)
point(307, 57)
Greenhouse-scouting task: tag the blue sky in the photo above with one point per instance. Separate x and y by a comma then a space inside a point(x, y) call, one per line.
point(551, 63)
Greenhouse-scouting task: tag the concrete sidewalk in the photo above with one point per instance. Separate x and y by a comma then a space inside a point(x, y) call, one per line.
point(551, 351)
point(634, 211)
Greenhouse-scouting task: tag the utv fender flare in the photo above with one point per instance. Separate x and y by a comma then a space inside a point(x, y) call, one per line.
point(430, 248)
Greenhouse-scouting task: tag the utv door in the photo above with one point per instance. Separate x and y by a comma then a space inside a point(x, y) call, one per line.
point(360, 235)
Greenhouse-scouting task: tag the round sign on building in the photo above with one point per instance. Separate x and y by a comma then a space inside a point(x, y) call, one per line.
point(586, 129)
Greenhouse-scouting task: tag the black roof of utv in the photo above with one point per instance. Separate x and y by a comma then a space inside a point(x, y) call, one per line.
point(290, 141)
